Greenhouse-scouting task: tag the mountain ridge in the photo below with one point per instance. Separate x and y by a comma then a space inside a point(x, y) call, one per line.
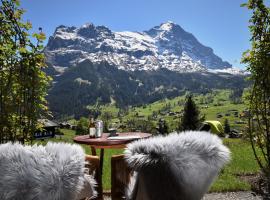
point(89, 83)
point(93, 64)
point(165, 46)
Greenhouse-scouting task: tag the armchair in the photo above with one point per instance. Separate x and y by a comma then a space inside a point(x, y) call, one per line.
point(177, 166)
point(55, 171)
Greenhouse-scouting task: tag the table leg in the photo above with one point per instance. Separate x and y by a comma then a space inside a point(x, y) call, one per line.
point(101, 167)
point(99, 176)
point(93, 149)
point(101, 160)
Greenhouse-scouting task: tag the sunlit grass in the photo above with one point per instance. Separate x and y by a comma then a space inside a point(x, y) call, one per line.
point(243, 160)
point(229, 182)
point(221, 104)
point(242, 163)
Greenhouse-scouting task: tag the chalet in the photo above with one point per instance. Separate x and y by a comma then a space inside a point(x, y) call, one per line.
point(73, 127)
point(171, 113)
point(240, 122)
point(65, 125)
point(47, 129)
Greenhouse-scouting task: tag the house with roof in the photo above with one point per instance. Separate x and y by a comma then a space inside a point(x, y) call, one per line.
point(47, 129)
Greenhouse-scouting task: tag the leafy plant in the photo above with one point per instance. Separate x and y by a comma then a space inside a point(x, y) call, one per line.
point(82, 126)
point(23, 84)
point(227, 127)
point(258, 60)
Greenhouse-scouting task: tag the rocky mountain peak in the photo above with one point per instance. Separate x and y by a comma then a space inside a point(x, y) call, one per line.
point(168, 26)
point(87, 30)
point(130, 68)
point(165, 46)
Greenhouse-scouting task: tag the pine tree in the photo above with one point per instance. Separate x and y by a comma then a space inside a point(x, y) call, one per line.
point(162, 128)
point(227, 128)
point(191, 117)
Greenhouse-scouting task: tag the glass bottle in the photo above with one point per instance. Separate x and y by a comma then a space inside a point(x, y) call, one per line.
point(92, 128)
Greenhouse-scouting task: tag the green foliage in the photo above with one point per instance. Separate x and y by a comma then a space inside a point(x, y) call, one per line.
point(140, 125)
point(227, 128)
point(152, 112)
point(23, 84)
point(82, 126)
point(236, 95)
point(191, 117)
point(162, 127)
point(258, 61)
point(106, 118)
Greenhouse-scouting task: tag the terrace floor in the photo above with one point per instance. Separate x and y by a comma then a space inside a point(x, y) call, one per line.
point(241, 195)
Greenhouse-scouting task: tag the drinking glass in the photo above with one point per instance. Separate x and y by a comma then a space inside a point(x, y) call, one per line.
point(112, 129)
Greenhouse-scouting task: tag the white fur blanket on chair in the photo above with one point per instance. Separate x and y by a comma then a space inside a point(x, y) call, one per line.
point(51, 172)
point(178, 166)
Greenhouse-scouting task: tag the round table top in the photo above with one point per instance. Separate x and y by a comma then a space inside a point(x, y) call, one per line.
point(104, 142)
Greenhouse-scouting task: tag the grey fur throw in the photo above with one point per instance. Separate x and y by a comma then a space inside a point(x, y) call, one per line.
point(177, 166)
point(51, 172)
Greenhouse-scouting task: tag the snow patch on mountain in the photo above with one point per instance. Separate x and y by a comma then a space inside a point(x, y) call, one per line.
point(232, 70)
point(60, 69)
point(165, 46)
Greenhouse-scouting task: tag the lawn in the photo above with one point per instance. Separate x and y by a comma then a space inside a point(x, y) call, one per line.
point(242, 163)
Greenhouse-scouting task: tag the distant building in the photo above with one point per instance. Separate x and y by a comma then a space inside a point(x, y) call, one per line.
point(171, 113)
point(65, 125)
point(73, 127)
point(47, 129)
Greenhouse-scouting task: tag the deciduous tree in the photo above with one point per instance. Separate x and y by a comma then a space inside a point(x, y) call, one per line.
point(23, 84)
point(258, 64)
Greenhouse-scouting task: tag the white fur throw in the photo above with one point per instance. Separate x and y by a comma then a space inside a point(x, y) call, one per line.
point(177, 166)
point(51, 172)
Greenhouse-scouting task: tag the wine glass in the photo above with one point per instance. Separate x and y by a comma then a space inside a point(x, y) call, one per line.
point(112, 128)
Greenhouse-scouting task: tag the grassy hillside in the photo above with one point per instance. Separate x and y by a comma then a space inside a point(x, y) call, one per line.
point(216, 105)
point(83, 84)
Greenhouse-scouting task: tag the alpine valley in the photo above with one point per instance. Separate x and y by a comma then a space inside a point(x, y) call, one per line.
point(92, 63)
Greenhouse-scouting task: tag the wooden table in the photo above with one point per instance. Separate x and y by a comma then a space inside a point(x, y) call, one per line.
point(104, 143)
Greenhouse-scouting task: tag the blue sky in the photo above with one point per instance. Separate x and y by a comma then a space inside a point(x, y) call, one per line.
point(219, 24)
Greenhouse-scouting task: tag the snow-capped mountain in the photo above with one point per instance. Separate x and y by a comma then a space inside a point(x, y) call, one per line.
point(93, 63)
point(165, 46)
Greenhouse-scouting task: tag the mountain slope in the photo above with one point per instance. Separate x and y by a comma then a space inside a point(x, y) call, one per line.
point(88, 82)
point(92, 63)
point(165, 46)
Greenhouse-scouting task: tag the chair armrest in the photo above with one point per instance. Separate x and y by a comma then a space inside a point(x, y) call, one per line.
point(120, 176)
point(93, 168)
